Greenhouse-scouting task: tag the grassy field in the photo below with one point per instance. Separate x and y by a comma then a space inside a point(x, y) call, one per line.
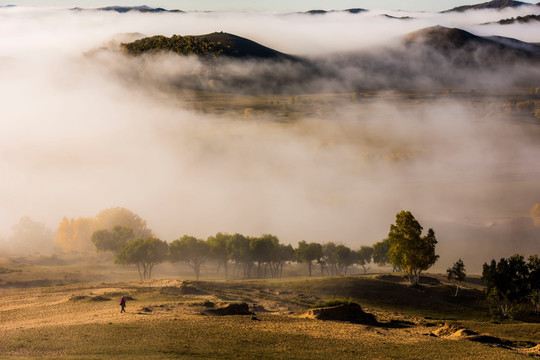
point(168, 319)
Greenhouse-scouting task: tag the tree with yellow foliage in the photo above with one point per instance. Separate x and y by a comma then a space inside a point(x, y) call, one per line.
point(119, 216)
point(75, 235)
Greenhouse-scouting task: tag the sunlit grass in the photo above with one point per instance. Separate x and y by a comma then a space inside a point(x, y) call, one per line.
point(226, 338)
point(83, 321)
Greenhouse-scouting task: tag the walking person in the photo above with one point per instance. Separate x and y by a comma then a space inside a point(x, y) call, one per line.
point(123, 304)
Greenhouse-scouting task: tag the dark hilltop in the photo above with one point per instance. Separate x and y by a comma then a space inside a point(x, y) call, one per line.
point(218, 44)
point(450, 41)
point(495, 4)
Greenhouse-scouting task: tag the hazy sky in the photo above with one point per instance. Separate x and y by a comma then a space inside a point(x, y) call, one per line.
point(416, 5)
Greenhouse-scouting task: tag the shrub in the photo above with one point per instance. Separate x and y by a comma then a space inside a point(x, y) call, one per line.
point(334, 302)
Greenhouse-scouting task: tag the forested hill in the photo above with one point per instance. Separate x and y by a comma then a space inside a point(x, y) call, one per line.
point(212, 45)
point(520, 20)
point(495, 4)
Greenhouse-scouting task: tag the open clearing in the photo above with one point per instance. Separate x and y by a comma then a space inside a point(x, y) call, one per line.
point(169, 319)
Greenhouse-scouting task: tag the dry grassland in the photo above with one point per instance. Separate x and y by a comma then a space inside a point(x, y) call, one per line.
point(167, 319)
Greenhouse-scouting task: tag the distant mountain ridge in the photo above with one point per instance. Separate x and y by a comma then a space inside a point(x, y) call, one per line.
point(518, 19)
point(324, 12)
point(495, 4)
point(125, 9)
point(397, 17)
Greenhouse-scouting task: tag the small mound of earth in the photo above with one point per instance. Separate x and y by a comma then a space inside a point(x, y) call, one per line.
point(230, 309)
point(347, 312)
point(533, 351)
point(446, 330)
point(78, 297)
point(462, 333)
point(206, 304)
point(189, 289)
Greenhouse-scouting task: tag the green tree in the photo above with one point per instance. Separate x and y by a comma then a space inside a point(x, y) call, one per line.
point(336, 258)
point(409, 250)
point(239, 251)
point(328, 261)
point(345, 257)
point(262, 249)
point(380, 253)
point(112, 241)
point(218, 250)
point(144, 253)
point(191, 251)
point(308, 253)
point(534, 281)
point(364, 256)
point(282, 255)
point(507, 284)
point(457, 274)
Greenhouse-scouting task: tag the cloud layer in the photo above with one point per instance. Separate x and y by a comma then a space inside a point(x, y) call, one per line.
point(82, 132)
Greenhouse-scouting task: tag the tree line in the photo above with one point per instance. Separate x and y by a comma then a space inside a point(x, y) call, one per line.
point(234, 255)
point(511, 283)
point(264, 256)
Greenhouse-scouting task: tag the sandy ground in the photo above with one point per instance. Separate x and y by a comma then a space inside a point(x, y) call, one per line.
point(43, 307)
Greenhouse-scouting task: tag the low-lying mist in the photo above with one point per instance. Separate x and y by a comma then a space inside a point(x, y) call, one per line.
point(83, 131)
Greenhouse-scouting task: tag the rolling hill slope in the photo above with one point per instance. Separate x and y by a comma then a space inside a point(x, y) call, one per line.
point(468, 48)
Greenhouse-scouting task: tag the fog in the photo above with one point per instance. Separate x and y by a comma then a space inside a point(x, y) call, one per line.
point(83, 130)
